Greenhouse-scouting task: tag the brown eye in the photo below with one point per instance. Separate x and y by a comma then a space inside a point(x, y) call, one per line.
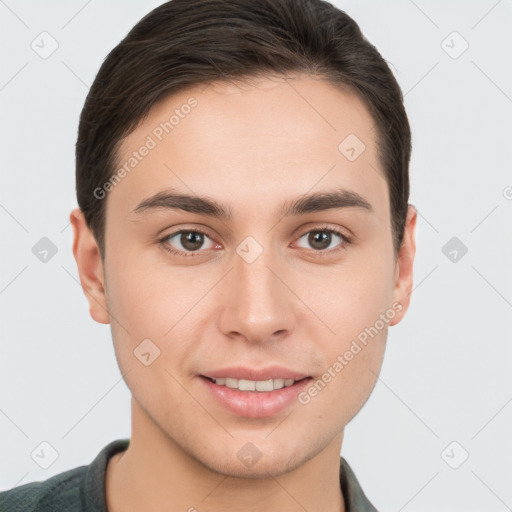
point(186, 242)
point(191, 240)
point(321, 239)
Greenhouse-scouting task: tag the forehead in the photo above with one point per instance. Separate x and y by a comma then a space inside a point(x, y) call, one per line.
point(265, 140)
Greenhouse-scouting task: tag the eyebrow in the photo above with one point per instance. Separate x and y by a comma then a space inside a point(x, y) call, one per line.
point(319, 201)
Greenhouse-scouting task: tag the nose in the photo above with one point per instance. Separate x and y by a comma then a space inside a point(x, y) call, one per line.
point(258, 305)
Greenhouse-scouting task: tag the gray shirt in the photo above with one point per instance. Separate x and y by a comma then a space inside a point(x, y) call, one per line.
point(82, 489)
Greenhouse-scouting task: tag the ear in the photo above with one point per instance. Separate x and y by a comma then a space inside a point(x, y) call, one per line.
point(90, 267)
point(404, 265)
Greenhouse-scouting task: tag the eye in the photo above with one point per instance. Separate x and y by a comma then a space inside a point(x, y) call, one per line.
point(320, 239)
point(188, 241)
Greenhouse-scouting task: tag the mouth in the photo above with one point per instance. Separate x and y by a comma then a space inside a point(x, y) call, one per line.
point(254, 398)
point(260, 386)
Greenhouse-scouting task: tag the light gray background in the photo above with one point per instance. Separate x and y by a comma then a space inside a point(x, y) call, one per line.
point(447, 371)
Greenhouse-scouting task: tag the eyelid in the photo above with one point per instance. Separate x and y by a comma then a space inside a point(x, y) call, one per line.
point(326, 227)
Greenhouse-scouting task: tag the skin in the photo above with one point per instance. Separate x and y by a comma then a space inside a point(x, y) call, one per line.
point(252, 147)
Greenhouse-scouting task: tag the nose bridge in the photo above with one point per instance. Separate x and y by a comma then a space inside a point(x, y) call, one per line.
point(258, 302)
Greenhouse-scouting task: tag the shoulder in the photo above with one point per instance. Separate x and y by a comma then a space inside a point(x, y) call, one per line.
point(59, 492)
point(353, 494)
point(81, 489)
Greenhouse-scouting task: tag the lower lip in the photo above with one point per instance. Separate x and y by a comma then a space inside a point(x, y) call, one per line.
point(255, 404)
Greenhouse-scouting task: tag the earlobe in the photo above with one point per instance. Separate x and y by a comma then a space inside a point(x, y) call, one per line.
point(405, 262)
point(90, 267)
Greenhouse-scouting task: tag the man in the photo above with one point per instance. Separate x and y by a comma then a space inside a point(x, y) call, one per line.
point(243, 226)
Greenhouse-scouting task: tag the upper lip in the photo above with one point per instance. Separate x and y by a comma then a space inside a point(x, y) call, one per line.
point(242, 372)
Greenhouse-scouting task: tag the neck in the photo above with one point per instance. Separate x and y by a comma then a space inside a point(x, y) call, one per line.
point(156, 474)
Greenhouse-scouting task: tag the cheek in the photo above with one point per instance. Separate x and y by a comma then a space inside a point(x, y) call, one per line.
point(152, 301)
point(141, 293)
point(357, 308)
point(354, 297)
point(139, 314)
point(352, 364)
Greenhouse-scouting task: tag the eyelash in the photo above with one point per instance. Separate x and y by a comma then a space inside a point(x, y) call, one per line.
point(318, 253)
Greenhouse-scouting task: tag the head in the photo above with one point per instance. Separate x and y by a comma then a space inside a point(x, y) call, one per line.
point(286, 131)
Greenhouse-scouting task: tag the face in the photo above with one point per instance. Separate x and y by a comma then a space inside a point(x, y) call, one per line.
point(250, 279)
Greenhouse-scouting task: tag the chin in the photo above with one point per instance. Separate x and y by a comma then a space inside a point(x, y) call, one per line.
point(271, 467)
point(246, 460)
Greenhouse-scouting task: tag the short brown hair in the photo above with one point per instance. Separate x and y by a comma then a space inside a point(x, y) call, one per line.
point(183, 43)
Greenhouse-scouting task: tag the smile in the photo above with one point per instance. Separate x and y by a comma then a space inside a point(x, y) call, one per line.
point(254, 385)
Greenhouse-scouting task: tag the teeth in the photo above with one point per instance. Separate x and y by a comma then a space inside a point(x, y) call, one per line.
point(231, 383)
point(254, 385)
